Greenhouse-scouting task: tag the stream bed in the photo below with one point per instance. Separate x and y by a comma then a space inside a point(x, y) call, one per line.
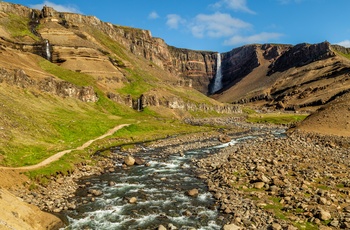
point(160, 189)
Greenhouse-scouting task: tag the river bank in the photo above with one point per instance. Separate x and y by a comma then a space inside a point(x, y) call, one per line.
point(300, 181)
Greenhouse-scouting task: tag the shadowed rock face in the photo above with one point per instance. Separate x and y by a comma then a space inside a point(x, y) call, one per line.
point(300, 55)
point(241, 61)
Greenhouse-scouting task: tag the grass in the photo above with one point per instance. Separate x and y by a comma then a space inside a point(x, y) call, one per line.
point(18, 27)
point(37, 127)
point(306, 226)
point(137, 84)
point(344, 55)
point(276, 208)
point(79, 79)
point(276, 118)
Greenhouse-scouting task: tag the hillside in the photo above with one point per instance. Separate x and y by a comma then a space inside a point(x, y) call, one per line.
point(301, 77)
point(333, 118)
point(60, 68)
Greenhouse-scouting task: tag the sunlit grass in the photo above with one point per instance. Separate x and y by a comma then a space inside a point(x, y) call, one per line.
point(276, 118)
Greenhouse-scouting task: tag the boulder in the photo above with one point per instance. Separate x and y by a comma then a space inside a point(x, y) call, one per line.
point(129, 160)
point(193, 192)
point(95, 192)
point(132, 200)
point(224, 138)
point(231, 227)
point(139, 161)
point(259, 185)
point(324, 215)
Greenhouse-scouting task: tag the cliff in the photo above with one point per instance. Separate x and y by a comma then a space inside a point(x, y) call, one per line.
point(304, 76)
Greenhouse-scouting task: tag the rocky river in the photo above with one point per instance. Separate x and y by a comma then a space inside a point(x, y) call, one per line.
point(259, 180)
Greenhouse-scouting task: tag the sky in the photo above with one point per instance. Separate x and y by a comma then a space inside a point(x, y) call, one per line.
point(220, 25)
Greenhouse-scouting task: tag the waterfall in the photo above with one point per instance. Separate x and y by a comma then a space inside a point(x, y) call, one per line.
point(218, 77)
point(139, 106)
point(47, 50)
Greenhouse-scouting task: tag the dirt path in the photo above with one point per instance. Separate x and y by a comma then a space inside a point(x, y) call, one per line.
point(62, 153)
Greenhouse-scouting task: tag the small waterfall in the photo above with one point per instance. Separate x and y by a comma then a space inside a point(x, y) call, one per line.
point(48, 50)
point(139, 104)
point(218, 77)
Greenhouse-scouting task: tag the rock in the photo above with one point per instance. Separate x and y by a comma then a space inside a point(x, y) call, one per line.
point(231, 227)
point(139, 161)
point(324, 215)
point(171, 227)
point(224, 138)
point(111, 183)
point(132, 200)
point(111, 170)
point(129, 160)
point(334, 223)
point(95, 192)
point(193, 192)
point(322, 200)
point(276, 226)
point(161, 227)
point(259, 185)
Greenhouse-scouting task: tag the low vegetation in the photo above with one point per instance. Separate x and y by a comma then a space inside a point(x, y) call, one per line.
point(276, 118)
point(18, 27)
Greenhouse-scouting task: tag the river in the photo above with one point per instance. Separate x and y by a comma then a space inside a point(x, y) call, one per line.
point(160, 189)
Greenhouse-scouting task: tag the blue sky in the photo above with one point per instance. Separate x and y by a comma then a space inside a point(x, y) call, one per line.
point(220, 25)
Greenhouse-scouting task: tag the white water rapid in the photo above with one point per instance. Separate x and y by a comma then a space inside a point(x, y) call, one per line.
point(47, 49)
point(218, 77)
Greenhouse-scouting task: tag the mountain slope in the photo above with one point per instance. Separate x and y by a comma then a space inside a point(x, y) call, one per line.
point(67, 78)
point(302, 76)
point(331, 119)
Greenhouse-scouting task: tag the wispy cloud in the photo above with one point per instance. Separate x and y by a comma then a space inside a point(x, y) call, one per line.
point(153, 15)
point(174, 20)
point(216, 25)
point(57, 7)
point(345, 43)
point(256, 38)
point(237, 5)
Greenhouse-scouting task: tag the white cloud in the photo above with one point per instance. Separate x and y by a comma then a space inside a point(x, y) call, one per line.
point(153, 15)
point(257, 38)
point(216, 25)
point(238, 5)
point(345, 43)
point(57, 7)
point(173, 21)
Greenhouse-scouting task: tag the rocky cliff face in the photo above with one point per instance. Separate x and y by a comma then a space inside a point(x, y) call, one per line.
point(241, 61)
point(48, 85)
point(198, 66)
point(300, 55)
point(171, 102)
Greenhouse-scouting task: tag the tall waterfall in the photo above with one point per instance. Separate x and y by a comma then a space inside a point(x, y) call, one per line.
point(218, 77)
point(47, 50)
